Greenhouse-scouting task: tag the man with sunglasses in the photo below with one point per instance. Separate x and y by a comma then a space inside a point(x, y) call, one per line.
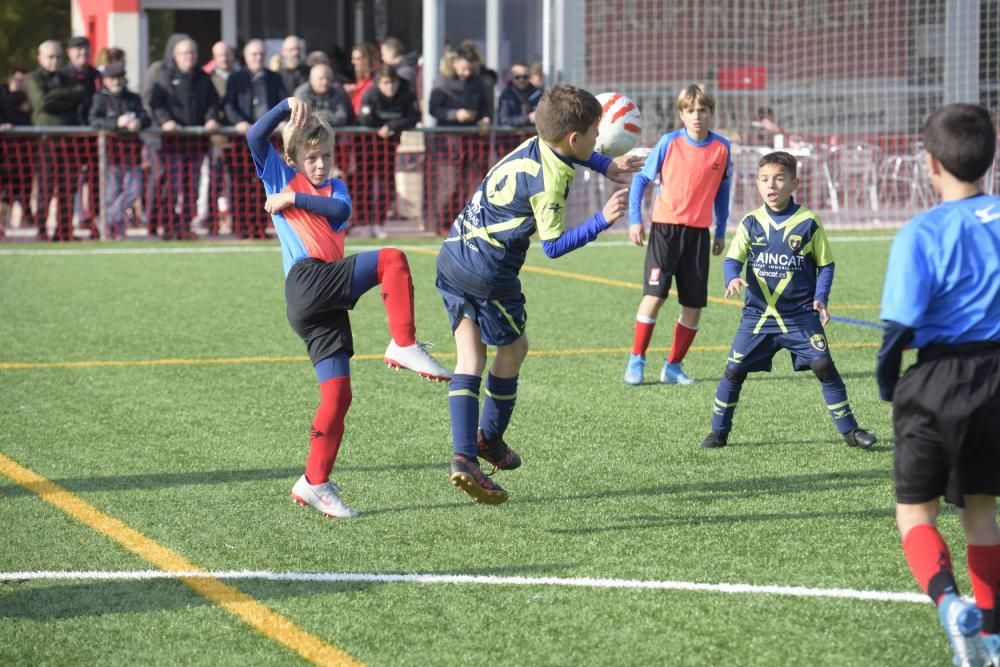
point(519, 99)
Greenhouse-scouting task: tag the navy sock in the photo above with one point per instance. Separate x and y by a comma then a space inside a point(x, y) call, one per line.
point(835, 395)
point(727, 395)
point(498, 406)
point(463, 403)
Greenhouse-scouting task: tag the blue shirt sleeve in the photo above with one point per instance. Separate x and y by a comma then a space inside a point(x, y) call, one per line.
point(824, 283)
point(890, 357)
point(597, 162)
point(722, 200)
point(259, 134)
point(648, 174)
point(336, 208)
point(731, 268)
point(577, 237)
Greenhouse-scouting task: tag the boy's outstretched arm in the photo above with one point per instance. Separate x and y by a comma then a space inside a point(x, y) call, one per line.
point(583, 234)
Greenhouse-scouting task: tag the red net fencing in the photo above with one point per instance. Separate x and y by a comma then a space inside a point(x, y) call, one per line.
point(64, 184)
point(73, 184)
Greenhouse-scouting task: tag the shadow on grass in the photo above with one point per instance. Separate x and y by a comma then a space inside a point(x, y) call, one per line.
point(206, 477)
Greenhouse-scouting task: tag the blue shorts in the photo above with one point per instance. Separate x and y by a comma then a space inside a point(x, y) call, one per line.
point(752, 352)
point(500, 321)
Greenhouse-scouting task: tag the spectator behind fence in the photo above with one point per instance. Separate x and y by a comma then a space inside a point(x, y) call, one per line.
point(364, 60)
point(250, 93)
point(16, 107)
point(117, 109)
point(519, 99)
point(536, 75)
point(394, 53)
point(325, 98)
point(292, 70)
point(391, 107)
point(55, 100)
point(222, 66)
point(183, 96)
point(253, 90)
point(79, 67)
point(317, 58)
point(457, 161)
point(489, 76)
point(108, 55)
point(154, 203)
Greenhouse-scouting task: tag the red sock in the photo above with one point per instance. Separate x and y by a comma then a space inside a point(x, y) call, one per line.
point(327, 428)
point(929, 560)
point(397, 295)
point(683, 336)
point(984, 570)
point(643, 334)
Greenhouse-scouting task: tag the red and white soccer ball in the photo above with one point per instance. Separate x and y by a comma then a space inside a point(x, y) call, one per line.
point(620, 126)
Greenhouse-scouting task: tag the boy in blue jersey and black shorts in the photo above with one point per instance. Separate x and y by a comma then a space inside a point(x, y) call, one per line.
point(479, 263)
point(789, 276)
point(310, 212)
point(942, 297)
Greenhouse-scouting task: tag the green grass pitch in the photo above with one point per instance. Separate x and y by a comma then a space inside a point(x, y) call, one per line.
point(200, 458)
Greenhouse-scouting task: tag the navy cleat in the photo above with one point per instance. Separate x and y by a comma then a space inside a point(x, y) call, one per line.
point(858, 437)
point(500, 456)
point(962, 622)
point(715, 440)
point(466, 475)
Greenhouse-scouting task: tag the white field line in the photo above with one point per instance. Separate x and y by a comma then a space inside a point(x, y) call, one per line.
point(224, 249)
point(574, 582)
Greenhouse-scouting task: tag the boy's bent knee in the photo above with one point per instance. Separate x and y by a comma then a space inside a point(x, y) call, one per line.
point(736, 377)
point(824, 369)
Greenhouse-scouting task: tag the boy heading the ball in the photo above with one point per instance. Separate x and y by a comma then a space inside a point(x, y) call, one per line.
point(789, 277)
point(479, 264)
point(693, 165)
point(942, 297)
point(310, 211)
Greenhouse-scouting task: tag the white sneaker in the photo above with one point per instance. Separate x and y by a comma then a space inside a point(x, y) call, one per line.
point(417, 359)
point(324, 497)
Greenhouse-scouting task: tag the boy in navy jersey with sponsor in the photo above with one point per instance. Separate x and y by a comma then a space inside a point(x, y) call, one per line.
point(789, 276)
point(479, 263)
point(311, 212)
point(942, 297)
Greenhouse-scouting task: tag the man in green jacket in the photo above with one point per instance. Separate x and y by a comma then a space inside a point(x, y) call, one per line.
point(55, 100)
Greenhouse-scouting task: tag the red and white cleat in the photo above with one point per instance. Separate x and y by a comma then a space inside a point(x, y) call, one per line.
point(324, 497)
point(417, 359)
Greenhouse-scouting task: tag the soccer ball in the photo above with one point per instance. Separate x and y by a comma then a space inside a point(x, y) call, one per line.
point(619, 129)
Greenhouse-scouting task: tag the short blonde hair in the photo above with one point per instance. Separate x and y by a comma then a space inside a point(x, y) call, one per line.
point(694, 94)
point(317, 132)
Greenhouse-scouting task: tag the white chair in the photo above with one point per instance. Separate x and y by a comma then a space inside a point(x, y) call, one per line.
point(851, 173)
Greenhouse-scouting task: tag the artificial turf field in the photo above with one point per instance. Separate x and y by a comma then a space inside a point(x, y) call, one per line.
point(155, 409)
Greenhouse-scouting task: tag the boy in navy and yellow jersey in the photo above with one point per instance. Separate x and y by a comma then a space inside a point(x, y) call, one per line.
point(789, 276)
point(479, 263)
point(942, 297)
point(310, 211)
point(693, 166)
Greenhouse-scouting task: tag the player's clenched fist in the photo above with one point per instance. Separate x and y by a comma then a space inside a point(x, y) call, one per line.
point(616, 206)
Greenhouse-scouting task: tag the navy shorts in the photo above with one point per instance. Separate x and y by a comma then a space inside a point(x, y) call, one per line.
point(750, 352)
point(318, 296)
point(682, 252)
point(946, 417)
point(500, 321)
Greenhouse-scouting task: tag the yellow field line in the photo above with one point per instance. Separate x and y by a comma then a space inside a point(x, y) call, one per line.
point(622, 283)
point(359, 357)
point(269, 623)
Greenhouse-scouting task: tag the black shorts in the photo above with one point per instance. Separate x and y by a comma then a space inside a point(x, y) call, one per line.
point(682, 252)
point(318, 296)
point(946, 416)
